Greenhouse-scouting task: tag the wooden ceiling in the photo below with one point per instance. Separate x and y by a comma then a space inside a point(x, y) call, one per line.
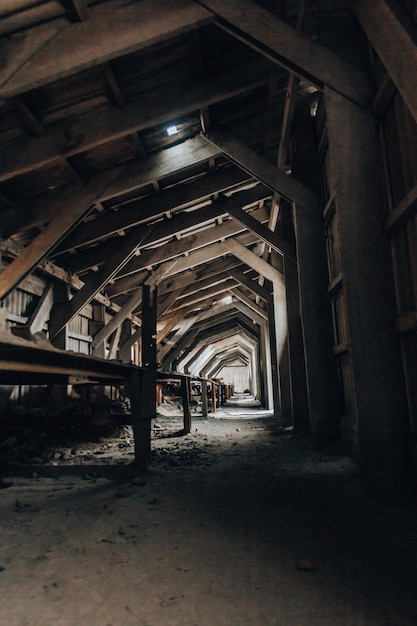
point(94, 192)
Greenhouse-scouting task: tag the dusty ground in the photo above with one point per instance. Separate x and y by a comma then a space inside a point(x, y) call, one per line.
point(211, 536)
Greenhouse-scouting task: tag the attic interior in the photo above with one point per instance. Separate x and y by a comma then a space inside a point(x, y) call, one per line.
point(212, 203)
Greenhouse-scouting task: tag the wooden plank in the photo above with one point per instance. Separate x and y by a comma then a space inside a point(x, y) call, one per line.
point(185, 395)
point(267, 173)
point(201, 283)
point(187, 280)
point(136, 213)
point(207, 254)
point(203, 294)
point(163, 231)
point(280, 42)
point(395, 44)
point(116, 321)
point(169, 325)
point(126, 180)
point(248, 257)
point(163, 253)
point(268, 236)
point(76, 203)
point(53, 271)
point(132, 303)
point(107, 35)
point(383, 96)
point(250, 303)
point(114, 343)
point(168, 301)
point(88, 132)
point(403, 211)
point(21, 356)
point(250, 284)
point(42, 311)
point(120, 257)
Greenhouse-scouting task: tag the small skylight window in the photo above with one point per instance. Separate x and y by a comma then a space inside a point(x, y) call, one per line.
point(172, 130)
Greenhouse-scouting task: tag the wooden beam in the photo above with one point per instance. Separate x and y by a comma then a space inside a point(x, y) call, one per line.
point(280, 42)
point(117, 320)
point(28, 153)
point(248, 257)
point(57, 273)
point(264, 171)
point(203, 294)
point(108, 34)
point(34, 124)
point(76, 203)
point(169, 325)
point(119, 258)
point(138, 212)
point(168, 301)
point(171, 250)
point(201, 256)
point(202, 283)
point(132, 303)
point(250, 303)
point(127, 179)
point(42, 311)
point(263, 232)
point(185, 395)
point(177, 226)
point(190, 279)
point(114, 343)
point(383, 96)
point(252, 285)
point(393, 35)
point(403, 211)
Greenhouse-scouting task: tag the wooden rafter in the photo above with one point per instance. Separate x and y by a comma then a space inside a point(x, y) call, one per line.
point(107, 35)
point(383, 23)
point(77, 203)
point(278, 41)
point(112, 123)
point(253, 163)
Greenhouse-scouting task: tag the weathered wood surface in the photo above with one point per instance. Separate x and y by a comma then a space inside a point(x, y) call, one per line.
point(280, 42)
point(395, 44)
point(107, 35)
point(264, 171)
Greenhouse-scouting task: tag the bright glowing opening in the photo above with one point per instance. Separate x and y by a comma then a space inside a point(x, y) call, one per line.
point(172, 130)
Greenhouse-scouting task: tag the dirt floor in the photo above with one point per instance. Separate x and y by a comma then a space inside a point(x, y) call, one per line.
point(238, 523)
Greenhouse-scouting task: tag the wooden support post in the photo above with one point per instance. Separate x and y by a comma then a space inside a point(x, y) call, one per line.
point(213, 396)
point(95, 325)
point(185, 394)
point(378, 380)
point(281, 330)
point(204, 400)
point(296, 349)
point(276, 397)
point(141, 423)
point(321, 372)
point(144, 402)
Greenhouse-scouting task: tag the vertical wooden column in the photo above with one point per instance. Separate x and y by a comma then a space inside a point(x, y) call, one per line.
point(281, 329)
point(125, 347)
point(321, 374)
point(185, 395)
point(274, 360)
point(378, 384)
point(213, 396)
point(264, 368)
point(95, 325)
point(58, 393)
point(204, 400)
point(299, 400)
point(142, 384)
